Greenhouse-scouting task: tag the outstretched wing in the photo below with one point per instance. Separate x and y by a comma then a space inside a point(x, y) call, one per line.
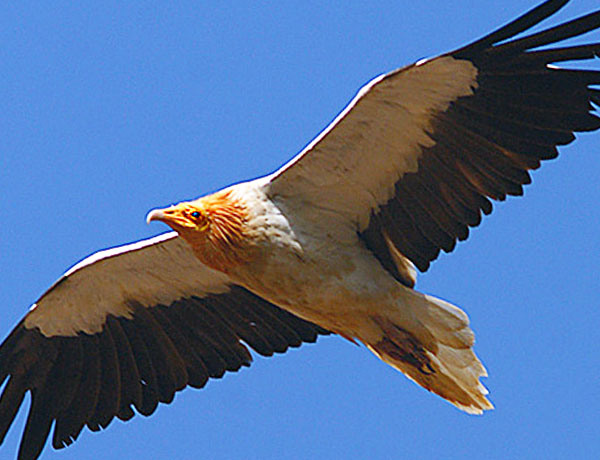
point(127, 328)
point(417, 155)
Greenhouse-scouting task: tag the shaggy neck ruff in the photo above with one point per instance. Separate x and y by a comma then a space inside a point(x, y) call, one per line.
point(225, 242)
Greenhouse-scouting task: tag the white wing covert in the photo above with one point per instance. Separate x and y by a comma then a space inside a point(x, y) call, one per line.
point(127, 328)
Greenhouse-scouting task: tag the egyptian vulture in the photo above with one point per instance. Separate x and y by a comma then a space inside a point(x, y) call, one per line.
point(328, 244)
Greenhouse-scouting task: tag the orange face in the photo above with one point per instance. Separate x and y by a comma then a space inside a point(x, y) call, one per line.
point(214, 226)
point(183, 217)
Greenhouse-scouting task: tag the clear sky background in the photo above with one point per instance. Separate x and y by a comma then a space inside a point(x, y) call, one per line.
point(111, 109)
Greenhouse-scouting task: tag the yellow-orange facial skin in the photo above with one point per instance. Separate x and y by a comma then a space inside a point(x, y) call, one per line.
point(182, 217)
point(214, 226)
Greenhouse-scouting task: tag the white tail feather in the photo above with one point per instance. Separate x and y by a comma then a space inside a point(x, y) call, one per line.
point(434, 349)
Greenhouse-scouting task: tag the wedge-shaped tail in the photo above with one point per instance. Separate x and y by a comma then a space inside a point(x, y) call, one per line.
point(434, 349)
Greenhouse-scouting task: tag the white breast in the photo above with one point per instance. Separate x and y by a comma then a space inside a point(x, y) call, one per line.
point(310, 263)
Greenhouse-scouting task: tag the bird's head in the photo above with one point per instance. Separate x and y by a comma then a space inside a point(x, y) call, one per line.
point(215, 226)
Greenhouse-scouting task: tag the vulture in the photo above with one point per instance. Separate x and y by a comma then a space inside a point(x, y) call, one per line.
point(328, 244)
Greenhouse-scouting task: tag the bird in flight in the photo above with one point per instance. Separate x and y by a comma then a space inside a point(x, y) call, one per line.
point(328, 244)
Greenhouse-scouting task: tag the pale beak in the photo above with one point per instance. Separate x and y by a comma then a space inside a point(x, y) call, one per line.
point(155, 214)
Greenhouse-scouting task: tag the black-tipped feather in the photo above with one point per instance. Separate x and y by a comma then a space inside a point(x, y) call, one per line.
point(515, 27)
point(556, 34)
point(70, 363)
point(37, 427)
point(521, 109)
point(289, 335)
point(131, 391)
point(88, 379)
point(10, 401)
point(428, 195)
point(148, 382)
point(195, 369)
point(567, 53)
point(247, 331)
point(109, 394)
point(251, 317)
point(220, 333)
point(89, 391)
point(211, 353)
point(202, 328)
point(167, 364)
point(72, 420)
point(45, 396)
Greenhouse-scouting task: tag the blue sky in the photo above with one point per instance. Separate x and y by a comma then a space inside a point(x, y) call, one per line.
point(112, 109)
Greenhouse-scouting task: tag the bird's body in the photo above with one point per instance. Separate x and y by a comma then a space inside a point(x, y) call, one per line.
point(327, 273)
point(331, 279)
point(329, 243)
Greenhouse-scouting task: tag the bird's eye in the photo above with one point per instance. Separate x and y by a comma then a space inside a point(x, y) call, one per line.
point(195, 214)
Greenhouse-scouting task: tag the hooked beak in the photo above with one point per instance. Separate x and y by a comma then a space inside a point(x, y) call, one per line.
point(156, 214)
